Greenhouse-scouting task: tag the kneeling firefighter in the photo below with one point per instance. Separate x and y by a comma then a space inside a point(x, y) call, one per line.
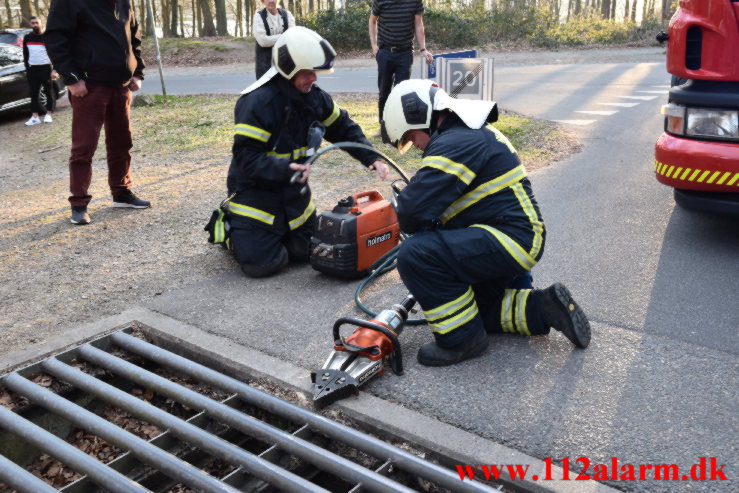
point(475, 227)
point(272, 219)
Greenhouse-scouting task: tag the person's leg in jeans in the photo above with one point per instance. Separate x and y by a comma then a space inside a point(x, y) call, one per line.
point(403, 62)
point(88, 115)
point(34, 86)
point(384, 85)
point(118, 141)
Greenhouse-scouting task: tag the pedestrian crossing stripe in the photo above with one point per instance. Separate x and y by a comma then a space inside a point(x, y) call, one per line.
point(642, 98)
point(712, 177)
point(576, 122)
point(621, 105)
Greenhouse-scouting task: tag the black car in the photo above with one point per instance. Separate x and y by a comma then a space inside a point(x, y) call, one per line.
point(14, 91)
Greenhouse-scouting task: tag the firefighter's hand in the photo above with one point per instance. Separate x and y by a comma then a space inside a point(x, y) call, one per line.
point(305, 168)
point(381, 169)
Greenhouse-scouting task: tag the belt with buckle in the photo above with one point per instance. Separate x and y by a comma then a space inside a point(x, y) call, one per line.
point(396, 49)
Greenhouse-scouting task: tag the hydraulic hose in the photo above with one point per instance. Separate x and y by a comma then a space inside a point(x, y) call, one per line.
point(387, 262)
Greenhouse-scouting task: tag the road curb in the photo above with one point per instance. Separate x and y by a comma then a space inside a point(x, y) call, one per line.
point(444, 442)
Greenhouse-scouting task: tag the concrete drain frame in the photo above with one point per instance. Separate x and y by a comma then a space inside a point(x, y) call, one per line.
point(302, 458)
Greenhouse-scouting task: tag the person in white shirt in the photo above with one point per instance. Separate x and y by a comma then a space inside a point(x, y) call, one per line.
point(39, 74)
point(269, 24)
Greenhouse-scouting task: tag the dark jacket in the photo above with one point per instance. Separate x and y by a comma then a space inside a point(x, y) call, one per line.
point(472, 177)
point(271, 132)
point(94, 41)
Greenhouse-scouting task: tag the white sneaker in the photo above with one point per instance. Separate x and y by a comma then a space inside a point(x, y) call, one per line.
point(47, 118)
point(34, 120)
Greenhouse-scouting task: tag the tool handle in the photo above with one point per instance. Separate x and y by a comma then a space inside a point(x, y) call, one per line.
point(396, 360)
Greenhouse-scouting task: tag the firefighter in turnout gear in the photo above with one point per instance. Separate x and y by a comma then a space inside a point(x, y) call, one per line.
point(271, 220)
point(475, 227)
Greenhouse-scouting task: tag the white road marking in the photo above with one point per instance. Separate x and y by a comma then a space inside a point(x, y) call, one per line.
point(598, 112)
point(665, 87)
point(576, 122)
point(654, 92)
point(621, 105)
point(642, 98)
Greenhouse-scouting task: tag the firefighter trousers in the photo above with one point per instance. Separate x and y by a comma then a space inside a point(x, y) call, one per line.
point(466, 281)
point(263, 251)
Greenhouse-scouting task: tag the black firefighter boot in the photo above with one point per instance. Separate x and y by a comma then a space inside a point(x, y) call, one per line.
point(433, 355)
point(562, 313)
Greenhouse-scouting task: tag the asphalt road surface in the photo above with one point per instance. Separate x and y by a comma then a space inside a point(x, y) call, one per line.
point(658, 384)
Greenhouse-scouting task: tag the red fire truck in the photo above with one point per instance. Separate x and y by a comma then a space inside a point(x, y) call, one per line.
point(698, 154)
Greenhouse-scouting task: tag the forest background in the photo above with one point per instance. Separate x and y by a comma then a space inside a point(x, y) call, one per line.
point(449, 23)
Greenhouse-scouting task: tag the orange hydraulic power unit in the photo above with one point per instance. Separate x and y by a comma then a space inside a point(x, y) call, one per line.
point(354, 235)
point(698, 153)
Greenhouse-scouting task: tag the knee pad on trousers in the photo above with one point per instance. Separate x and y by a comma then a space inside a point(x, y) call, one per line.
point(264, 270)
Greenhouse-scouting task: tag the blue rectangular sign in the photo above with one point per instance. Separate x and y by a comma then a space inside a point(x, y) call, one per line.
point(455, 54)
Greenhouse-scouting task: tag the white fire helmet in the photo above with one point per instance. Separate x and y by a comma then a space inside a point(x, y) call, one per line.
point(300, 48)
point(412, 102)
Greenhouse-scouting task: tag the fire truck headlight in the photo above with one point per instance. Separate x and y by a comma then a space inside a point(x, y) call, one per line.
point(674, 118)
point(716, 124)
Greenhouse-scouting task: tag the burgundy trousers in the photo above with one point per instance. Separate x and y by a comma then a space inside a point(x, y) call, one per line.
point(102, 106)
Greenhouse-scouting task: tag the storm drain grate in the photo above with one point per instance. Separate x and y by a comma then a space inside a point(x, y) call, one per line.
point(257, 441)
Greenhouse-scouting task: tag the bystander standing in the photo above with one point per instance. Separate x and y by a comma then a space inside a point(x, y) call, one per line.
point(269, 24)
point(39, 74)
point(96, 48)
point(392, 25)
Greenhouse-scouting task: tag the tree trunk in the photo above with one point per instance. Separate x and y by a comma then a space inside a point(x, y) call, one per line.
point(206, 17)
point(9, 13)
point(194, 18)
point(174, 9)
point(221, 18)
point(182, 21)
point(613, 9)
point(164, 9)
point(25, 12)
point(239, 19)
point(605, 9)
point(149, 21)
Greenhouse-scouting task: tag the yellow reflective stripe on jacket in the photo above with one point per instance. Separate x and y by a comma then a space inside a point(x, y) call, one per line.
point(449, 324)
point(332, 117)
point(536, 225)
point(449, 308)
point(251, 212)
point(521, 323)
point(486, 189)
point(300, 152)
point(520, 255)
point(252, 132)
point(278, 154)
point(299, 221)
point(459, 170)
point(506, 311)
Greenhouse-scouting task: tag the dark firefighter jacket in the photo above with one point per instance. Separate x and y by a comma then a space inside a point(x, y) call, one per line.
point(98, 41)
point(474, 178)
point(271, 131)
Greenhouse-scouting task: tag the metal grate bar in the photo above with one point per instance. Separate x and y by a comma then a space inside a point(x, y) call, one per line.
point(213, 445)
point(319, 457)
point(58, 448)
point(239, 477)
point(165, 440)
point(144, 451)
point(333, 430)
point(20, 479)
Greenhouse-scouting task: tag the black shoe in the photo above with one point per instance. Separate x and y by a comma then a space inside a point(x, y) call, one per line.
point(80, 215)
point(562, 313)
point(128, 199)
point(432, 355)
